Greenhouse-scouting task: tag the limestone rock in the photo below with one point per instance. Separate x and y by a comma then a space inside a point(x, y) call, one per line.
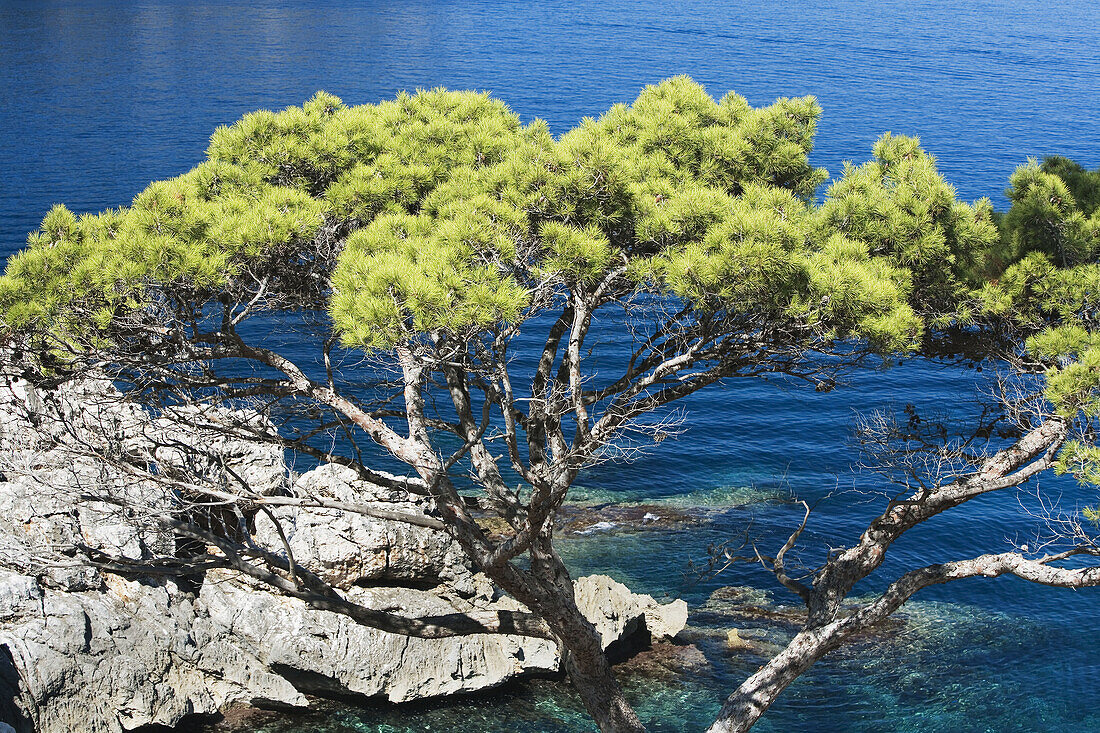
point(193, 441)
point(86, 650)
point(343, 483)
point(346, 548)
point(327, 653)
point(91, 411)
point(106, 662)
point(45, 437)
point(618, 613)
point(18, 594)
point(735, 641)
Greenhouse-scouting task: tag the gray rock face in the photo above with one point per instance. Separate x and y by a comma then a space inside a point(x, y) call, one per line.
point(192, 440)
point(86, 650)
point(18, 593)
point(346, 548)
point(48, 498)
point(328, 653)
point(130, 654)
point(114, 660)
point(618, 613)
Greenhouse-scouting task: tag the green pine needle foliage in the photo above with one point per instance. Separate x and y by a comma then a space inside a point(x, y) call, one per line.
point(1045, 216)
point(448, 214)
point(902, 209)
point(440, 212)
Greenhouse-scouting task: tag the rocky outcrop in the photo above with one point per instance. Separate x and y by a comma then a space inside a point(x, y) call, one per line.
point(87, 650)
point(346, 548)
point(131, 653)
point(174, 441)
point(128, 653)
point(49, 481)
point(118, 658)
point(618, 613)
point(326, 653)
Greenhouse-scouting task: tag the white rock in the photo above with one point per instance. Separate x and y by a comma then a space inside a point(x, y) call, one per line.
point(111, 661)
point(18, 594)
point(328, 653)
point(346, 548)
point(618, 613)
point(92, 652)
point(192, 440)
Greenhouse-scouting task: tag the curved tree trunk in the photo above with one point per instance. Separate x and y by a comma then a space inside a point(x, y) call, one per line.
point(744, 707)
point(582, 651)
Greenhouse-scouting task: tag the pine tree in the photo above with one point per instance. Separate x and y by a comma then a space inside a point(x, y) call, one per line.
point(463, 269)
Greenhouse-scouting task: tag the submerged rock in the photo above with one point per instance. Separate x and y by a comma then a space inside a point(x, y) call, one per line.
point(747, 606)
point(582, 519)
point(752, 641)
point(665, 660)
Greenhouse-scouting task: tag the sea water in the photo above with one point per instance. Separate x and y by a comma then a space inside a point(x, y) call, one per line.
point(99, 98)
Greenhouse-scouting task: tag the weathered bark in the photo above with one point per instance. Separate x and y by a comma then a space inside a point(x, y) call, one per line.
point(1010, 467)
point(548, 590)
point(591, 674)
point(585, 661)
point(751, 700)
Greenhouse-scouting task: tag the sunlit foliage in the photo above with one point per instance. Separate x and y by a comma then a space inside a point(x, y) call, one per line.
point(442, 213)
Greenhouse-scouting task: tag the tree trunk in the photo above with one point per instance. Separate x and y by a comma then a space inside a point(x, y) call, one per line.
point(744, 707)
point(591, 674)
point(582, 650)
point(585, 661)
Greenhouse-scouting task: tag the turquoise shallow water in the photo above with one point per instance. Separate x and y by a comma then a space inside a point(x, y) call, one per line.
point(97, 98)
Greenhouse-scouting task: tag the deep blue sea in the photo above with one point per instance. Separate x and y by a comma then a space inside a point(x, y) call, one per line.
point(98, 98)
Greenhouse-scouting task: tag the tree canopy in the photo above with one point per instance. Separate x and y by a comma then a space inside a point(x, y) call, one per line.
point(447, 210)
